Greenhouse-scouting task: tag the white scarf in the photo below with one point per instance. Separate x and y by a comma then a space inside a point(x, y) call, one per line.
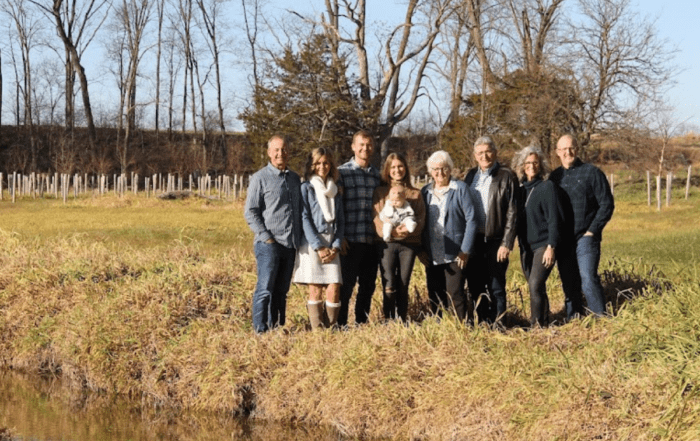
point(325, 194)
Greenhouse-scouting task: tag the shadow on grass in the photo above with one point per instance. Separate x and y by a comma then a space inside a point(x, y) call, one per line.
point(623, 281)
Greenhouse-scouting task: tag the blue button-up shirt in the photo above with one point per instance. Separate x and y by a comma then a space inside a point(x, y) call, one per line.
point(273, 206)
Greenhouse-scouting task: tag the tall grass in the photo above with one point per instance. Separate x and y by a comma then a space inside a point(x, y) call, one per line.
point(164, 316)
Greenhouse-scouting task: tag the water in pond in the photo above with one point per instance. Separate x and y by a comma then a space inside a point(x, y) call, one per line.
point(43, 410)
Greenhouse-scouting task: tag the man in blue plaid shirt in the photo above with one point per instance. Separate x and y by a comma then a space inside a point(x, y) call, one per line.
point(359, 259)
point(589, 202)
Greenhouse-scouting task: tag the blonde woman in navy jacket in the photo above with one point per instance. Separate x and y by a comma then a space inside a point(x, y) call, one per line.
point(318, 259)
point(448, 235)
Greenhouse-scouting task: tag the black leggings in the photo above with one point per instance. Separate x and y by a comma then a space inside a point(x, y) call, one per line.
point(395, 267)
point(536, 274)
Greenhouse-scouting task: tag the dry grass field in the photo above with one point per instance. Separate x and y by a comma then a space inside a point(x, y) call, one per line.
point(150, 299)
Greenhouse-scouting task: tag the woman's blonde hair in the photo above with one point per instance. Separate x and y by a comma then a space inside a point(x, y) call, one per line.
point(314, 156)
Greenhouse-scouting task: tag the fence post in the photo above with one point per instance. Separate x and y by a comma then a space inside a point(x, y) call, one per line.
point(658, 193)
point(669, 181)
point(687, 181)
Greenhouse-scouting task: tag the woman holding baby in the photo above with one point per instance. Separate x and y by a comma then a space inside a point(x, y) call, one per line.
point(399, 216)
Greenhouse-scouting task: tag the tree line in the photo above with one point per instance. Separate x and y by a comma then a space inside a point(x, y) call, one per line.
point(180, 74)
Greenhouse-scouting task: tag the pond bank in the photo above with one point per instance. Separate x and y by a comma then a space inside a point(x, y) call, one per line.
point(32, 408)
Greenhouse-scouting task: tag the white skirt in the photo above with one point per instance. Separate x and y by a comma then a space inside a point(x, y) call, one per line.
point(309, 269)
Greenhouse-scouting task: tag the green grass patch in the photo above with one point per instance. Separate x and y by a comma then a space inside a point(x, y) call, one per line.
point(133, 221)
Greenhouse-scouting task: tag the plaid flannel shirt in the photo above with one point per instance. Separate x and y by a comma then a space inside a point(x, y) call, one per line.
point(358, 186)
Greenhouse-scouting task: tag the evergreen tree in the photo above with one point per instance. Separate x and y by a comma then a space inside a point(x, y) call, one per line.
point(306, 95)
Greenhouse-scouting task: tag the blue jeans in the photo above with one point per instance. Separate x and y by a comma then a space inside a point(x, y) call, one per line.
point(578, 269)
point(275, 266)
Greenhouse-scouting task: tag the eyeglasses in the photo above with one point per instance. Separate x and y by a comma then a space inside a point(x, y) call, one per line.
point(444, 170)
point(566, 149)
point(532, 163)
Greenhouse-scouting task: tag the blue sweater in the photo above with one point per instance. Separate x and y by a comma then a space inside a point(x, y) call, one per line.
point(313, 221)
point(460, 223)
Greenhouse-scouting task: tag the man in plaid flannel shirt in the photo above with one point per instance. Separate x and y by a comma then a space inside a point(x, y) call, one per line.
point(359, 260)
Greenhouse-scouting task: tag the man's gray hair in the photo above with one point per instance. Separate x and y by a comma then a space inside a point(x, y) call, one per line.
point(521, 156)
point(486, 140)
point(440, 157)
point(284, 138)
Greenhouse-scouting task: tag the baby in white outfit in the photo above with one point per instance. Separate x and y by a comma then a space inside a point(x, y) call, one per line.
point(397, 211)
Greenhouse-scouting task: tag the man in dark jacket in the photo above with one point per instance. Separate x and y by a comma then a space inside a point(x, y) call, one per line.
point(589, 202)
point(494, 188)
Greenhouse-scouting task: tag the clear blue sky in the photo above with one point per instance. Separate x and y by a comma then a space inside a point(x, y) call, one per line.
point(678, 22)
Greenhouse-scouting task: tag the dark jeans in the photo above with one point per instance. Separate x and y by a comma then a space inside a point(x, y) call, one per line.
point(275, 266)
point(578, 269)
point(446, 289)
point(536, 274)
point(486, 280)
point(359, 266)
point(395, 266)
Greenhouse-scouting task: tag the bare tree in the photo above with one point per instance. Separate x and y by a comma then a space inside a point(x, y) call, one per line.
point(27, 27)
point(252, 11)
point(18, 86)
point(528, 27)
point(456, 48)
point(406, 53)
point(48, 92)
point(76, 22)
point(181, 21)
point(160, 12)
point(615, 53)
point(173, 67)
point(211, 12)
point(130, 20)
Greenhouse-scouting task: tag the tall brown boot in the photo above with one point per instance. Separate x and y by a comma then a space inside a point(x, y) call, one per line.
point(331, 316)
point(315, 309)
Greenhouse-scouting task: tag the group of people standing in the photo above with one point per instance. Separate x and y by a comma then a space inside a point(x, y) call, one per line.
point(334, 230)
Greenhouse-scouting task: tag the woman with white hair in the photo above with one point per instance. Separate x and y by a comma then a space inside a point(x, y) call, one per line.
point(448, 235)
point(540, 226)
